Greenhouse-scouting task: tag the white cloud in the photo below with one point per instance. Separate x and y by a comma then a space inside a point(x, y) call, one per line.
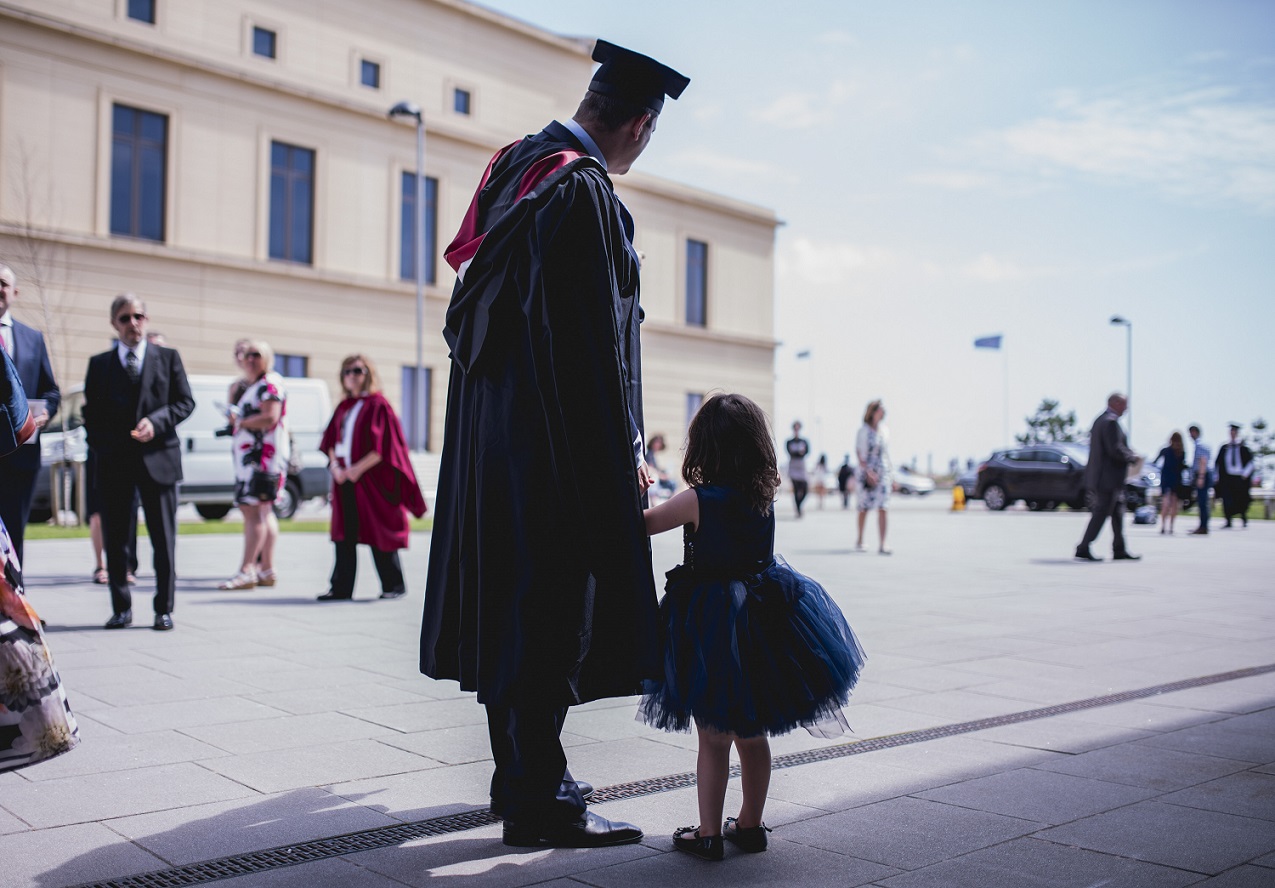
point(1197, 144)
point(731, 167)
point(952, 180)
point(803, 109)
point(837, 38)
point(824, 264)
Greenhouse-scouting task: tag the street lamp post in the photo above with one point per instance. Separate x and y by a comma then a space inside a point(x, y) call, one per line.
point(417, 431)
point(1118, 321)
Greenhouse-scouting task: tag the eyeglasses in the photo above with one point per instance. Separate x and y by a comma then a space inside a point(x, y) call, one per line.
point(125, 318)
point(353, 371)
point(252, 354)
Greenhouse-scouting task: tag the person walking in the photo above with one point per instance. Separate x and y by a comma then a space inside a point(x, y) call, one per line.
point(1235, 477)
point(540, 593)
point(1201, 479)
point(845, 475)
point(373, 482)
point(820, 479)
point(872, 447)
point(25, 347)
point(798, 449)
point(260, 449)
point(1105, 475)
point(754, 648)
point(134, 397)
point(1171, 460)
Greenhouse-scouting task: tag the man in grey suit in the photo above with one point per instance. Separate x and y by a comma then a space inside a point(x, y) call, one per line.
point(1109, 461)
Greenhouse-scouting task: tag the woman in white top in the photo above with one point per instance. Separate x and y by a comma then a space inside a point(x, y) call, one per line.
point(260, 450)
point(872, 448)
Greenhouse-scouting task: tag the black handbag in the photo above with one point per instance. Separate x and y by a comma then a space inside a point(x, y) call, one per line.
point(264, 485)
point(16, 422)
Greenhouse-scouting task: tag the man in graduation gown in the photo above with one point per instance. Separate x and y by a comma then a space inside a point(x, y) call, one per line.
point(1235, 477)
point(540, 593)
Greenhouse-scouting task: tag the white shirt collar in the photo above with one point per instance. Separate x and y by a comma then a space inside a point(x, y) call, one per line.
point(140, 350)
point(587, 141)
point(6, 319)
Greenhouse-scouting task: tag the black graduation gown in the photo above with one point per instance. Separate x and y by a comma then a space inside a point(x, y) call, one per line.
point(540, 587)
point(1233, 489)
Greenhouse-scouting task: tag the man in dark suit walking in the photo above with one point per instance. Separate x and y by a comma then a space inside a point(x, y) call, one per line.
point(18, 473)
point(135, 394)
point(1109, 461)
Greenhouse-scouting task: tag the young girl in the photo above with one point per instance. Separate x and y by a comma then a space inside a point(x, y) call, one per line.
point(753, 648)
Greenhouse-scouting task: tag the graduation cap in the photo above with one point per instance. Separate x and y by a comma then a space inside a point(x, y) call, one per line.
point(1236, 425)
point(633, 77)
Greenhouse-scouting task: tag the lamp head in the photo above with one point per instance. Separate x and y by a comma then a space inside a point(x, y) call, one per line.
point(406, 109)
point(1118, 321)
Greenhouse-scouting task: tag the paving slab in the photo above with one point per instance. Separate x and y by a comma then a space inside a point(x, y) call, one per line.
point(69, 855)
point(1248, 793)
point(1240, 877)
point(1141, 764)
point(338, 872)
point(1241, 739)
point(286, 732)
point(1200, 841)
point(322, 763)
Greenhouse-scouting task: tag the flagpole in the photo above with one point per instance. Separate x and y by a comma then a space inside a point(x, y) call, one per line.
point(1005, 375)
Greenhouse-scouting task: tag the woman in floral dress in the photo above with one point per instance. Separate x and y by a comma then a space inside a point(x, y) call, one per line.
point(872, 447)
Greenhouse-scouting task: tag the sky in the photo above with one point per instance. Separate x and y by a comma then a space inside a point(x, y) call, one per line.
point(949, 171)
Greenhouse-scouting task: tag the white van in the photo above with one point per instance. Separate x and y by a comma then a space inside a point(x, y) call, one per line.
point(207, 466)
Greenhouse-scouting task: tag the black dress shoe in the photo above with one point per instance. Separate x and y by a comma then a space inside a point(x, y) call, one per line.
point(590, 831)
point(1125, 556)
point(163, 622)
point(1083, 554)
point(122, 620)
point(1199, 531)
point(394, 593)
point(746, 838)
point(332, 596)
point(586, 789)
point(689, 840)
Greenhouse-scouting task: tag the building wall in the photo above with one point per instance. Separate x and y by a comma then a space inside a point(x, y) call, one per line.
point(64, 64)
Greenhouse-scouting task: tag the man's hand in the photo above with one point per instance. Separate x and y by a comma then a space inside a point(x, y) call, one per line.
point(144, 431)
point(42, 420)
point(645, 480)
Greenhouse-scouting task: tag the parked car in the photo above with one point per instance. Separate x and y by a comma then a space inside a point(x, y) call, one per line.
point(908, 482)
point(1046, 476)
point(209, 480)
point(968, 482)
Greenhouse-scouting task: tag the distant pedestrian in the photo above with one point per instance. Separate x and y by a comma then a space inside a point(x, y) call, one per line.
point(844, 476)
point(1171, 460)
point(1201, 478)
point(664, 486)
point(820, 479)
point(872, 447)
point(798, 449)
point(1235, 477)
point(1105, 475)
point(373, 482)
point(753, 647)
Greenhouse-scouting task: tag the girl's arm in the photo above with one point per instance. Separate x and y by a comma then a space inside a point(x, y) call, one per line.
point(681, 508)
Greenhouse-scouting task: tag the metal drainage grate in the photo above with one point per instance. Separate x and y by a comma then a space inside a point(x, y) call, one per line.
point(386, 836)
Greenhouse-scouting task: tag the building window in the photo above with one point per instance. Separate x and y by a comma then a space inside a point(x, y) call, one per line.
point(461, 101)
point(296, 366)
point(139, 149)
point(693, 402)
point(407, 240)
point(291, 203)
point(370, 74)
point(142, 11)
point(415, 412)
point(696, 282)
point(264, 42)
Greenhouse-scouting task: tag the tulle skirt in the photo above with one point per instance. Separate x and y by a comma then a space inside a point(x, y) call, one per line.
point(760, 655)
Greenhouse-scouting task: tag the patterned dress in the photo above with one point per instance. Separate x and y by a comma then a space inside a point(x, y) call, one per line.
point(873, 454)
point(256, 450)
point(35, 719)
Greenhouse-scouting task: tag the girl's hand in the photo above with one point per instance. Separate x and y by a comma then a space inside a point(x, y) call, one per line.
point(682, 508)
point(352, 474)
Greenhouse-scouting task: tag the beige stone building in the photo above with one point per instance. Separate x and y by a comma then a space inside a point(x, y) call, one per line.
point(232, 162)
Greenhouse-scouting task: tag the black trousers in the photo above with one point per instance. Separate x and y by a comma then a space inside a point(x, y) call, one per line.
point(388, 566)
point(531, 783)
point(15, 504)
point(1107, 504)
point(117, 483)
point(799, 491)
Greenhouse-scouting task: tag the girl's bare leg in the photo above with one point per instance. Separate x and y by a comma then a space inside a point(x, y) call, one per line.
point(754, 766)
point(711, 773)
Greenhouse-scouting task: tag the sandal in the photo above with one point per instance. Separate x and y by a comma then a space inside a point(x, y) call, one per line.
point(101, 577)
point(241, 580)
point(267, 577)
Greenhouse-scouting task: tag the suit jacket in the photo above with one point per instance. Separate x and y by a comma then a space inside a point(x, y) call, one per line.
point(163, 397)
point(1109, 454)
point(32, 360)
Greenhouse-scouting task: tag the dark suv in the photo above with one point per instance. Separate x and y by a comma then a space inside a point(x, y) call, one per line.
point(1045, 476)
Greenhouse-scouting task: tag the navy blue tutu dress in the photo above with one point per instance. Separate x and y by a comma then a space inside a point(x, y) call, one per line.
point(753, 647)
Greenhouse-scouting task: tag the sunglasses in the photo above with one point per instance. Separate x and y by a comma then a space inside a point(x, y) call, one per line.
point(252, 354)
point(125, 318)
point(353, 371)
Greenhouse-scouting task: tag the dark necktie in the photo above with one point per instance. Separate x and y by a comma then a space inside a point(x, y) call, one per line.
point(130, 364)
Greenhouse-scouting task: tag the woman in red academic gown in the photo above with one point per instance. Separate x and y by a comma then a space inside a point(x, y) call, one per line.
point(373, 484)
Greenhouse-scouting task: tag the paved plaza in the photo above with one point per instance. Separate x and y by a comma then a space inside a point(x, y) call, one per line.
point(270, 721)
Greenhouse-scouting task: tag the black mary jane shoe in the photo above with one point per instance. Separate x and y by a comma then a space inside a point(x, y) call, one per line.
point(746, 838)
point(688, 839)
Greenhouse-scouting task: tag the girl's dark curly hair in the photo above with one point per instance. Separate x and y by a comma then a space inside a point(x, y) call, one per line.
point(729, 443)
